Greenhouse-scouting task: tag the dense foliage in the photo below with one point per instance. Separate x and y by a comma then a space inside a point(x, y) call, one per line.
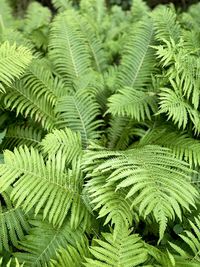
point(100, 118)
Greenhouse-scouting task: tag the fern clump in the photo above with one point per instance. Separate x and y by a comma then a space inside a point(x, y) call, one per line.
point(100, 123)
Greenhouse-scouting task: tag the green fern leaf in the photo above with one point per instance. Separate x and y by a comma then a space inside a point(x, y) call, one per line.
point(21, 135)
point(138, 57)
point(44, 241)
point(36, 17)
point(132, 103)
point(59, 190)
point(127, 250)
point(159, 183)
point(95, 46)
point(71, 256)
point(110, 204)
point(139, 9)
point(181, 144)
point(67, 141)
point(67, 48)
point(13, 223)
point(79, 113)
point(36, 24)
point(13, 61)
point(192, 240)
point(166, 24)
point(61, 5)
point(121, 131)
point(6, 17)
point(34, 95)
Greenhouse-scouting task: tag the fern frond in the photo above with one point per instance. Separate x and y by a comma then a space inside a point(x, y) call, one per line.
point(138, 58)
point(61, 5)
point(139, 9)
point(110, 204)
point(171, 103)
point(183, 146)
point(37, 16)
point(66, 141)
point(34, 95)
point(71, 256)
point(44, 241)
point(95, 11)
point(39, 184)
point(36, 24)
point(166, 25)
point(94, 44)
point(21, 135)
point(11, 262)
point(193, 11)
point(14, 36)
point(67, 48)
point(192, 240)
point(13, 223)
point(159, 183)
point(121, 131)
point(6, 17)
point(177, 108)
point(133, 103)
point(127, 250)
point(13, 61)
point(79, 112)
point(192, 42)
point(163, 258)
point(134, 75)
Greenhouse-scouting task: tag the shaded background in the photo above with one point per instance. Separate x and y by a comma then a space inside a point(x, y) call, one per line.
point(183, 4)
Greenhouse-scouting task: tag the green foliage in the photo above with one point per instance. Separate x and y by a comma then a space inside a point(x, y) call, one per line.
point(13, 62)
point(99, 160)
point(132, 170)
point(126, 250)
point(13, 222)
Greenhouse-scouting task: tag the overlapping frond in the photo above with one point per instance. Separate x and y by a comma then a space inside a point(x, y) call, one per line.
point(61, 5)
point(67, 48)
point(34, 95)
point(110, 204)
point(43, 242)
point(95, 46)
point(36, 24)
point(183, 146)
point(79, 112)
point(66, 140)
point(122, 131)
point(134, 75)
point(138, 57)
point(192, 240)
point(179, 95)
point(177, 108)
point(13, 222)
point(22, 135)
point(37, 16)
point(71, 256)
point(159, 183)
point(43, 185)
point(165, 23)
point(13, 61)
point(6, 17)
point(133, 103)
point(11, 262)
point(127, 250)
point(139, 9)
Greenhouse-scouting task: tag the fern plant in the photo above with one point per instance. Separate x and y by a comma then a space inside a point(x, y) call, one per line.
point(99, 160)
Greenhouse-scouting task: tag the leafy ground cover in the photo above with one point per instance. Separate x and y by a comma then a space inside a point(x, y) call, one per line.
point(100, 123)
